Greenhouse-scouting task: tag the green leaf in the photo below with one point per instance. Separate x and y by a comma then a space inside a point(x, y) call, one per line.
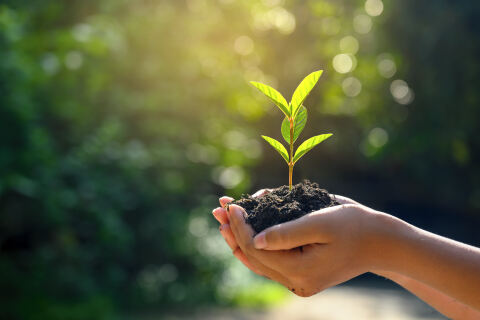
point(303, 90)
point(298, 125)
point(274, 95)
point(278, 146)
point(286, 130)
point(308, 145)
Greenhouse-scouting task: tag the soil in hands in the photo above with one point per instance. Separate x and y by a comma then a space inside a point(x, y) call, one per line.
point(282, 205)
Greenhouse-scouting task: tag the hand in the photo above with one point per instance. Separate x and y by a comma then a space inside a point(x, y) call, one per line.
point(220, 214)
point(379, 243)
point(331, 249)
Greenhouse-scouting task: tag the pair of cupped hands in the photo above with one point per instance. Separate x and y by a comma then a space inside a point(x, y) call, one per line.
point(306, 255)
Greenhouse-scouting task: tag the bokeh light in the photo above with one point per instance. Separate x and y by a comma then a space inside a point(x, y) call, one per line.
point(277, 17)
point(374, 7)
point(401, 92)
point(282, 19)
point(386, 66)
point(343, 63)
point(228, 177)
point(349, 44)
point(378, 137)
point(362, 24)
point(244, 45)
point(82, 32)
point(351, 86)
point(73, 60)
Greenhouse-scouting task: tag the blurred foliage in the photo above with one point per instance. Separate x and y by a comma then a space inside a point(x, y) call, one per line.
point(259, 295)
point(121, 122)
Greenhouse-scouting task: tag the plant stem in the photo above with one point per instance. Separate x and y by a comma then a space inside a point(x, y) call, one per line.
point(290, 164)
point(290, 173)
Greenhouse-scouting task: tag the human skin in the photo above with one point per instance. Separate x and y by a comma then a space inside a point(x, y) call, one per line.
point(351, 239)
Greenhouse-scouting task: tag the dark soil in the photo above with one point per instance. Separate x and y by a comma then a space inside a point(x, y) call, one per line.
point(282, 205)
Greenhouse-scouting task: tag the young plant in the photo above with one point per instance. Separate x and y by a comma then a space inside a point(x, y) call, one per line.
point(294, 122)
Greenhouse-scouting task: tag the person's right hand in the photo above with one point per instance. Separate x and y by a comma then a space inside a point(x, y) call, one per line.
point(331, 240)
point(221, 216)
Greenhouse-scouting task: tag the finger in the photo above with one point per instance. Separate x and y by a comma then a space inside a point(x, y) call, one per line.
point(266, 261)
point(242, 231)
point(262, 270)
point(227, 234)
point(344, 200)
point(255, 266)
point(244, 235)
point(309, 229)
point(261, 192)
point(238, 253)
point(224, 200)
point(221, 215)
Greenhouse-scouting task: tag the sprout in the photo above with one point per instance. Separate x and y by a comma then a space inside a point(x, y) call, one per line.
point(294, 122)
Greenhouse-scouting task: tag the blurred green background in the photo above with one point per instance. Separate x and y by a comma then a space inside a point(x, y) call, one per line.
point(121, 122)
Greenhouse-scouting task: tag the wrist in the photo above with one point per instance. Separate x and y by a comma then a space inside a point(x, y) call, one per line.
point(384, 235)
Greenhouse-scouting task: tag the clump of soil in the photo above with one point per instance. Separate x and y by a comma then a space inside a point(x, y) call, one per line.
point(282, 205)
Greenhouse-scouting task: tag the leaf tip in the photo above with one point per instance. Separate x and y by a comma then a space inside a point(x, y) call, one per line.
point(318, 73)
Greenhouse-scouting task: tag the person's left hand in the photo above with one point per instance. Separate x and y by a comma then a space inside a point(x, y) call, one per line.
point(220, 214)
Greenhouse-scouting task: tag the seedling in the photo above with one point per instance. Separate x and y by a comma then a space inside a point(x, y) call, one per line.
point(294, 122)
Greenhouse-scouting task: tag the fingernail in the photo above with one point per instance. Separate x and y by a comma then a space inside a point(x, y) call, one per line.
point(260, 241)
point(232, 212)
point(215, 214)
point(238, 212)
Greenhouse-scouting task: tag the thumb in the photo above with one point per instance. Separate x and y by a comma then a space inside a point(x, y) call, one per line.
point(292, 234)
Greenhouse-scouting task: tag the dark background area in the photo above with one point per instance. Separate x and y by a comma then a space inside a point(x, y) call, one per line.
point(121, 122)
